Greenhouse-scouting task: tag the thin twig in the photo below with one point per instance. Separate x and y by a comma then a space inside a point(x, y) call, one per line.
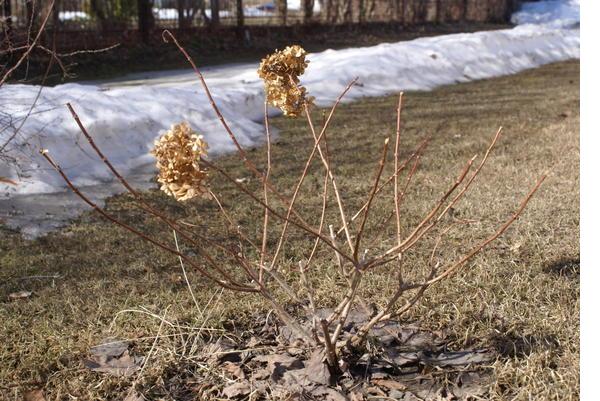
point(241, 152)
point(322, 136)
point(232, 286)
point(32, 45)
point(263, 249)
point(334, 185)
point(187, 281)
point(390, 179)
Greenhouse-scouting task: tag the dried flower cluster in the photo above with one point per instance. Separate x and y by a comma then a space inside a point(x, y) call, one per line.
point(178, 154)
point(280, 72)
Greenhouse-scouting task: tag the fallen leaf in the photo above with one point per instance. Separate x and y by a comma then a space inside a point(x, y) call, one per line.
point(253, 342)
point(19, 295)
point(315, 372)
point(405, 358)
point(110, 348)
point(278, 364)
point(461, 358)
point(34, 395)
point(223, 350)
point(113, 358)
point(389, 384)
point(329, 393)
point(260, 374)
point(239, 389)
point(355, 396)
point(234, 369)
point(318, 371)
point(375, 391)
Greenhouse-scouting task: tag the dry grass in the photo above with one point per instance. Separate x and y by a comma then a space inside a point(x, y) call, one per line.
point(521, 296)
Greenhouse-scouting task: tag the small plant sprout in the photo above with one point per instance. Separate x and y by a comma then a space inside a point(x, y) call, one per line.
point(254, 263)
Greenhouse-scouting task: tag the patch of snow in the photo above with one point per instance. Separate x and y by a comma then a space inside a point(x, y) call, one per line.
point(557, 13)
point(72, 15)
point(173, 13)
point(258, 12)
point(126, 115)
point(296, 5)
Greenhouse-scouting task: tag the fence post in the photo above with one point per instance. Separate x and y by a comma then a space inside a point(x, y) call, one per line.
point(7, 11)
point(239, 5)
point(307, 8)
point(282, 11)
point(144, 19)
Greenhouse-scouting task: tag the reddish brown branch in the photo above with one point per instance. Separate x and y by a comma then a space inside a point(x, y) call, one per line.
point(232, 286)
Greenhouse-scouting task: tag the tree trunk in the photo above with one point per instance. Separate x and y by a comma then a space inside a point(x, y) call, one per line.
point(370, 9)
point(362, 11)
point(180, 14)
point(32, 13)
point(239, 6)
point(55, 17)
point(145, 19)
point(214, 13)
point(403, 12)
point(329, 7)
point(347, 11)
point(7, 11)
point(438, 12)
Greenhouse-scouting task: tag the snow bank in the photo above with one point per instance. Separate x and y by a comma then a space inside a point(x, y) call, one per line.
point(557, 13)
point(126, 116)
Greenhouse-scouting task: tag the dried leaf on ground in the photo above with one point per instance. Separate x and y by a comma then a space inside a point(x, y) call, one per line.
point(110, 348)
point(278, 364)
point(19, 295)
point(356, 396)
point(389, 384)
point(34, 395)
point(234, 370)
point(315, 372)
point(329, 394)
point(224, 350)
point(113, 358)
point(461, 358)
point(239, 389)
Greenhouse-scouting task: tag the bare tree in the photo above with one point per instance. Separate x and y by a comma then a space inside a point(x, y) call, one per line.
point(346, 11)
point(362, 11)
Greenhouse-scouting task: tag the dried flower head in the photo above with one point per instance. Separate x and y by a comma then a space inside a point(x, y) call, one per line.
point(280, 72)
point(178, 154)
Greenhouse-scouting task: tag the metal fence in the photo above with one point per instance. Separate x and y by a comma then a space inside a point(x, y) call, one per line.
point(92, 24)
point(123, 14)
